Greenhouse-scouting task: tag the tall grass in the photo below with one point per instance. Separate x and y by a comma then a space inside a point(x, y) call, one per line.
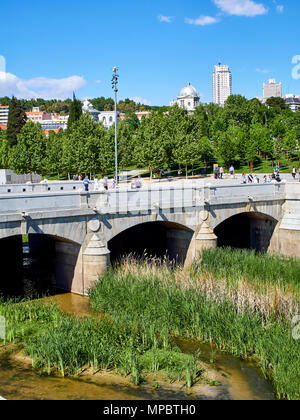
point(56, 342)
point(259, 269)
point(178, 303)
point(145, 305)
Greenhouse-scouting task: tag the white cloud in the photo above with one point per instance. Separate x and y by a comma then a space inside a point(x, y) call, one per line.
point(201, 21)
point(166, 19)
point(264, 71)
point(139, 100)
point(280, 8)
point(40, 87)
point(241, 7)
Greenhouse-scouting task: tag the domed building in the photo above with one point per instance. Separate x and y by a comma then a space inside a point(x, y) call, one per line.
point(188, 98)
point(87, 108)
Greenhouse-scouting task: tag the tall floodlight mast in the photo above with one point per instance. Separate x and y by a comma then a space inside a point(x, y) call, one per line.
point(115, 82)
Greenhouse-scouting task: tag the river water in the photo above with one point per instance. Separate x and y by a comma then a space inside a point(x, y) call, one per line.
point(237, 379)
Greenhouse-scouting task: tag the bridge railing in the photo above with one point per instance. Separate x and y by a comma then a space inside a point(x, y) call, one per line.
point(248, 191)
point(185, 195)
point(35, 202)
point(51, 186)
point(152, 198)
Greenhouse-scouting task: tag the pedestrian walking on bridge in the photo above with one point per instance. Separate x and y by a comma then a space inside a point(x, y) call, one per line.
point(86, 183)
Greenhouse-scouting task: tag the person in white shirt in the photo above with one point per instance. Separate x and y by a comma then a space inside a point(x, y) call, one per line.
point(96, 183)
point(221, 172)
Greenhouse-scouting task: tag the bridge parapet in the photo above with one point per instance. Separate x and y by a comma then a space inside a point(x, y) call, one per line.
point(149, 199)
point(50, 186)
point(243, 193)
point(37, 202)
point(185, 195)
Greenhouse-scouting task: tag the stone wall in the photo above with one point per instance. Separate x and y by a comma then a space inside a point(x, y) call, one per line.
point(7, 176)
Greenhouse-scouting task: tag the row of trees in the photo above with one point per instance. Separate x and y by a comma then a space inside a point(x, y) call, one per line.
point(63, 107)
point(241, 132)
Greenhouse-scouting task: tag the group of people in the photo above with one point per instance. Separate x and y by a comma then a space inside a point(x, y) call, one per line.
point(161, 172)
point(102, 183)
point(254, 179)
point(219, 172)
point(99, 184)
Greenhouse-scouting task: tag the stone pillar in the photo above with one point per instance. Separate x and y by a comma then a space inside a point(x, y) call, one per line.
point(203, 239)
point(96, 260)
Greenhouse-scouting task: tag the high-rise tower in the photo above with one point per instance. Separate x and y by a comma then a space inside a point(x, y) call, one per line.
point(222, 84)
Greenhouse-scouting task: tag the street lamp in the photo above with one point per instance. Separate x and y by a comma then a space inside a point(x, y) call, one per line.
point(114, 83)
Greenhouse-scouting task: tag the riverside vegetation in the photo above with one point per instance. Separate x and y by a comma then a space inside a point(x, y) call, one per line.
point(240, 301)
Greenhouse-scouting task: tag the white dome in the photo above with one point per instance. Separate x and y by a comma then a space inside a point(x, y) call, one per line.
point(188, 90)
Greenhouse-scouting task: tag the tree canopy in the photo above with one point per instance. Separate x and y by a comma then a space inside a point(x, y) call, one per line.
point(242, 132)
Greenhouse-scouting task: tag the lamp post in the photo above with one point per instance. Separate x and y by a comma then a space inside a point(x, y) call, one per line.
point(115, 88)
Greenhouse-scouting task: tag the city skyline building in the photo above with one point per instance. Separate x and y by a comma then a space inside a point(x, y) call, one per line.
point(293, 102)
point(222, 84)
point(272, 90)
point(4, 111)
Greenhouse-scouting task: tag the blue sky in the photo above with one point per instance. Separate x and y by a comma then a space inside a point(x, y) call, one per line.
point(51, 48)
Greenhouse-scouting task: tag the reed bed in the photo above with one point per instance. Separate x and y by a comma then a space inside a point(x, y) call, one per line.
point(231, 314)
point(56, 342)
point(146, 303)
point(261, 270)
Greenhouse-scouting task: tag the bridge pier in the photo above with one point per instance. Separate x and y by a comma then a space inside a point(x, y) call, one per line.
point(79, 267)
point(203, 239)
point(96, 260)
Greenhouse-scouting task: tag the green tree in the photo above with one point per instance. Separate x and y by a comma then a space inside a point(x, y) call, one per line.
point(84, 148)
point(152, 143)
point(75, 112)
point(54, 152)
point(261, 139)
point(277, 103)
point(16, 120)
point(4, 151)
point(28, 155)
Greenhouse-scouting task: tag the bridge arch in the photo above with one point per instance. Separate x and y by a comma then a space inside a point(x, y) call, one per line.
point(155, 239)
point(42, 264)
point(248, 230)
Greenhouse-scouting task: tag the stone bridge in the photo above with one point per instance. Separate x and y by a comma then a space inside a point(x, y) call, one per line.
point(88, 229)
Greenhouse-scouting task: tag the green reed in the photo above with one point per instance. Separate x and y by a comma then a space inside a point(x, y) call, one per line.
point(260, 269)
point(185, 311)
point(145, 305)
